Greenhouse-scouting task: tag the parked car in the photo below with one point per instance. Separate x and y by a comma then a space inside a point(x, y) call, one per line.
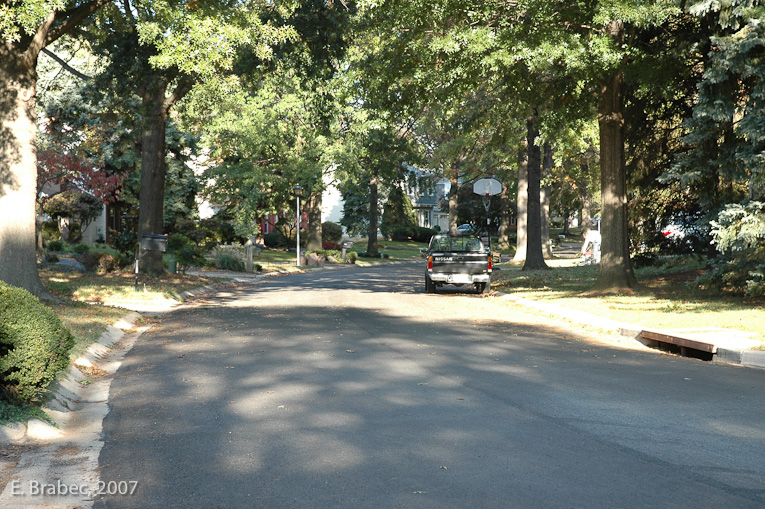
point(457, 259)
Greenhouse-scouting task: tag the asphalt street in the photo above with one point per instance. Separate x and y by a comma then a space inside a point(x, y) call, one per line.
point(355, 388)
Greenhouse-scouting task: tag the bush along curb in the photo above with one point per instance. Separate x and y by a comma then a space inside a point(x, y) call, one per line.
point(68, 390)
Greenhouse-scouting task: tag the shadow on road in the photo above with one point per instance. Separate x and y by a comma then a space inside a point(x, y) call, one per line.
point(258, 398)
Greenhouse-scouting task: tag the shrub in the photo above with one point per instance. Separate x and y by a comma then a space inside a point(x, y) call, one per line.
point(55, 245)
point(401, 233)
point(220, 230)
point(351, 256)
point(739, 234)
point(186, 253)
point(176, 241)
point(370, 255)
point(328, 244)
point(34, 345)
point(331, 232)
point(106, 263)
point(398, 220)
point(273, 240)
point(233, 250)
point(89, 261)
point(422, 234)
point(81, 248)
point(229, 257)
point(123, 260)
point(125, 239)
point(189, 256)
point(328, 252)
point(229, 263)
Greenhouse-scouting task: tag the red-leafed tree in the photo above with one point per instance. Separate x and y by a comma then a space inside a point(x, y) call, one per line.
point(61, 172)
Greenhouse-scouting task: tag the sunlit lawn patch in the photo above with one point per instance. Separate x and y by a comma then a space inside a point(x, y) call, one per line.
point(664, 300)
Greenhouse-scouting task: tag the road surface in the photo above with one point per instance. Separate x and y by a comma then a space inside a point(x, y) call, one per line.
point(354, 388)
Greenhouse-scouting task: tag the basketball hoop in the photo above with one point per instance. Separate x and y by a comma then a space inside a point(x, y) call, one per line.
point(486, 188)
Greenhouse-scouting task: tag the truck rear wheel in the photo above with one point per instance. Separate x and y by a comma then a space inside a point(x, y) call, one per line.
point(483, 287)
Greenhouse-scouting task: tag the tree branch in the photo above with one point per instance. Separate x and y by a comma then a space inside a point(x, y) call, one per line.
point(71, 18)
point(65, 65)
point(184, 86)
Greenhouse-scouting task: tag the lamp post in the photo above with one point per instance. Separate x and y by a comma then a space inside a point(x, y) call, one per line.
point(298, 191)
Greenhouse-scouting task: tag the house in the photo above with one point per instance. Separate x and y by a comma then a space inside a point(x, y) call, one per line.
point(427, 192)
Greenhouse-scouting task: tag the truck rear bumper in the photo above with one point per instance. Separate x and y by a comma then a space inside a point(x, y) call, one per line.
point(460, 279)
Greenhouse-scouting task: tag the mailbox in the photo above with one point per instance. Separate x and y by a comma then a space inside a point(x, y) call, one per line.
point(153, 242)
point(345, 245)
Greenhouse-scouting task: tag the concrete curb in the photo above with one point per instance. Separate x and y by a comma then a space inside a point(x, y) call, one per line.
point(740, 357)
point(749, 358)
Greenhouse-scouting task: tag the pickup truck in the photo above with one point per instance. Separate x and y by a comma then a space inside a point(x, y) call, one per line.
point(457, 259)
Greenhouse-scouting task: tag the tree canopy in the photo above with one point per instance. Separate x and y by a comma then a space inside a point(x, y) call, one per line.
point(654, 104)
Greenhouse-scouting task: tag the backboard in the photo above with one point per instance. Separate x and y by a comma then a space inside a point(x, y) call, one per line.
point(487, 186)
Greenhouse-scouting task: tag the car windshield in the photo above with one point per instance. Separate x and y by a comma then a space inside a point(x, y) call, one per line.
point(457, 244)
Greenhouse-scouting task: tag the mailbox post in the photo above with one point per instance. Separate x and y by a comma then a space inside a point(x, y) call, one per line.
point(149, 242)
point(252, 249)
point(345, 246)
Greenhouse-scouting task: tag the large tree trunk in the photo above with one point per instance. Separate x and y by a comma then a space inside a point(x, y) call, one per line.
point(616, 274)
point(152, 194)
point(313, 211)
point(454, 191)
point(372, 248)
point(18, 169)
point(544, 199)
point(521, 226)
point(18, 153)
point(534, 257)
point(151, 217)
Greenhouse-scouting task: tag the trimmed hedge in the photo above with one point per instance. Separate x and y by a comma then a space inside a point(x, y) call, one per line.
point(331, 232)
point(34, 345)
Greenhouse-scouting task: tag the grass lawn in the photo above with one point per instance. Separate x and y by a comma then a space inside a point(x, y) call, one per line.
point(91, 302)
point(665, 298)
point(396, 251)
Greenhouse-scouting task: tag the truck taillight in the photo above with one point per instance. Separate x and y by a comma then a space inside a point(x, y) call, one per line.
point(430, 263)
point(489, 263)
